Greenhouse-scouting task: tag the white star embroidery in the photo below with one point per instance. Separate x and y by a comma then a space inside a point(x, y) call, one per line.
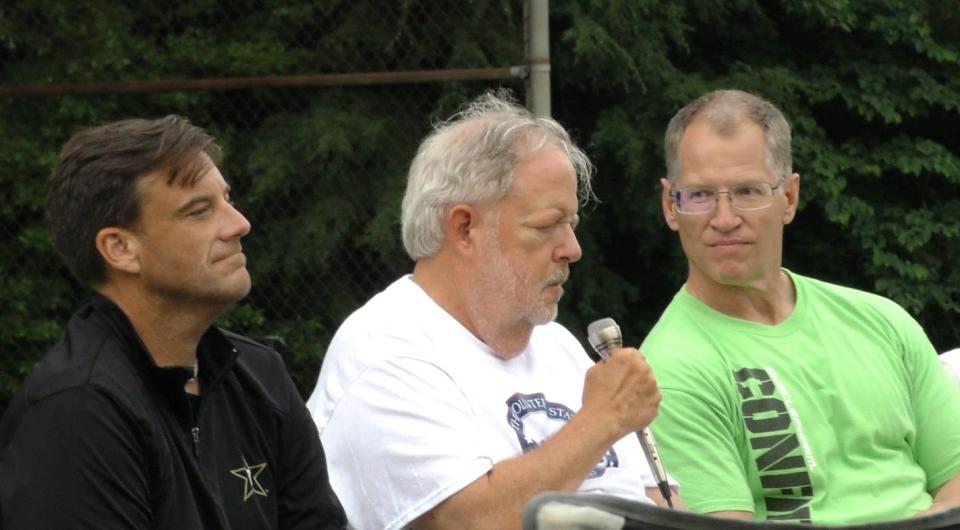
point(249, 474)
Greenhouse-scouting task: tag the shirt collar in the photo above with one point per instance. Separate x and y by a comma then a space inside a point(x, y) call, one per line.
point(215, 353)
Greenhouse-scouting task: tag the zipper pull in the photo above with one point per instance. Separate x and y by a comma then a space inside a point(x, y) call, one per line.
point(195, 433)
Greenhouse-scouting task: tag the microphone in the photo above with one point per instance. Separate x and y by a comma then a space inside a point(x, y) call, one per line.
point(604, 335)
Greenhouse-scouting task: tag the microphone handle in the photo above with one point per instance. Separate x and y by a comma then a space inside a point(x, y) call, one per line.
point(649, 446)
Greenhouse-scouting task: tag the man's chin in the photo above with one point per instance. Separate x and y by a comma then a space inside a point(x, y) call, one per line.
point(730, 274)
point(544, 315)
point(243, 290)
point(228, 299)
point(233, 293)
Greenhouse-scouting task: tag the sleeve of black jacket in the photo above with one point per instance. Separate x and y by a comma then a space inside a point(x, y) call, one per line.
point(307, 501)
point(77, 440)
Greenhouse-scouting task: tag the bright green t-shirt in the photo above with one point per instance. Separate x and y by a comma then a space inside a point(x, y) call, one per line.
point(840, 414)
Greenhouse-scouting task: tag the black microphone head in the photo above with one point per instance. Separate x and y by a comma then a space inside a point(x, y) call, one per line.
point(604, 334)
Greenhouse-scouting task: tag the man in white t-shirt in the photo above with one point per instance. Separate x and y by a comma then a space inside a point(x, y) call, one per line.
point(452, 398)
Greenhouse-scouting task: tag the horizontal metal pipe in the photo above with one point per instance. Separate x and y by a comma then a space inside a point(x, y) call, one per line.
point(275, 81)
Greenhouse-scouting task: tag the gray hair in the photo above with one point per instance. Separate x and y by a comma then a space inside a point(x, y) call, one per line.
point(725, 111)
point(471, 158)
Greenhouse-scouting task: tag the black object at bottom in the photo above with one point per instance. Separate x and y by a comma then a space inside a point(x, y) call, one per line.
point(587, 511)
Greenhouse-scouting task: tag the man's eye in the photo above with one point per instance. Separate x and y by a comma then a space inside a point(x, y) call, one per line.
point(749, 191)
point(199, 212)
point(700, 194)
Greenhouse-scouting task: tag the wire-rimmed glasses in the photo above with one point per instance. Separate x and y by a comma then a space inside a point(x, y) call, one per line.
point(744, 197)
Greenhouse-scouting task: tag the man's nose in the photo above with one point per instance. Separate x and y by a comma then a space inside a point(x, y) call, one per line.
point(237, 225)
point(569, 249)
point(724, 216)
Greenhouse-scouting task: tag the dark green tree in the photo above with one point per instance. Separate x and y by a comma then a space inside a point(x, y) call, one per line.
point(319, 171)
point(871, 91)
point(870, 88)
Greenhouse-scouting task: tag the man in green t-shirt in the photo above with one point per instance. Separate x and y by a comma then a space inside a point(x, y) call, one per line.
point(784, 397)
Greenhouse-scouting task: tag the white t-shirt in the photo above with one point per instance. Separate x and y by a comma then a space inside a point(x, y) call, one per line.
point(951, 361)
point(411, 408)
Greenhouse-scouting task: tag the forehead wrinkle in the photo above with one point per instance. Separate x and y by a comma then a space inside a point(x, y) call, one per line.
point(724, 120)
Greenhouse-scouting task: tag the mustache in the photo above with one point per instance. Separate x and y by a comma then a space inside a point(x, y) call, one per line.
point(559, 277)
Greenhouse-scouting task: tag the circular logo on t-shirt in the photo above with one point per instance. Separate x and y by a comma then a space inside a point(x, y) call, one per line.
point(535, 419)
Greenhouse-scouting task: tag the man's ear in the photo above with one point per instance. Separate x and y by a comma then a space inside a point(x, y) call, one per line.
point(120, 249)
point(666, 202)
point(462, 224)
point(791, 190)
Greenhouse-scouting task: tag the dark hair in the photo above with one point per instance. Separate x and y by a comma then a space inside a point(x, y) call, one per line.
point(94, 185)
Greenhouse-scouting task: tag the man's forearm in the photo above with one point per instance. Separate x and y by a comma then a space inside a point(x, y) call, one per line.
point(497, 499)
point(944, 498)
point(620, 396)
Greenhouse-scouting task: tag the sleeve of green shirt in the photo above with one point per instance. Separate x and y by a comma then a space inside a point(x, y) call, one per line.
point(697, 436)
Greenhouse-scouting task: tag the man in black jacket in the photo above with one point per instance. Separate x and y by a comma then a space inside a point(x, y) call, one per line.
point(146, 415)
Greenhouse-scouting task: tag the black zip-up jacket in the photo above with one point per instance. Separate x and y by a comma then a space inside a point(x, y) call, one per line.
point(100, 437)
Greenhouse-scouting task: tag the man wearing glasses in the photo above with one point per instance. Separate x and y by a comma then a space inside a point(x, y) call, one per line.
point(785, 397)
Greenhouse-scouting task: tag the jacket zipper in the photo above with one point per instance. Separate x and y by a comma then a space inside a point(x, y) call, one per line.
point(195, 434)
point(194, 429)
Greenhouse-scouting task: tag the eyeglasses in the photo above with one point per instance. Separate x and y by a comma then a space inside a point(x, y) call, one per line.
point(743, 197)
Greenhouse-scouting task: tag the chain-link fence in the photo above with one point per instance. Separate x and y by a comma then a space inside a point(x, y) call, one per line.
point(317, 126)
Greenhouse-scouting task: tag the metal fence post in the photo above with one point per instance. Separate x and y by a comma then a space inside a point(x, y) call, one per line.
point(537, 40)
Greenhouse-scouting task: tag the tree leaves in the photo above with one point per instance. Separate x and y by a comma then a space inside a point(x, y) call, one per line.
point(871, 89)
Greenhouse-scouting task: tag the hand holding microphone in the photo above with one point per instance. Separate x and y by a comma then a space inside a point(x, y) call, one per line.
point(605, 337)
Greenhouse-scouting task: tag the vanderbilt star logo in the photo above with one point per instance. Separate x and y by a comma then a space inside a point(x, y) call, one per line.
point(249, 474)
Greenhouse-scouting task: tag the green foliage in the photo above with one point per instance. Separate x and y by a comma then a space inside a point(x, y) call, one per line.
point(870, 88)
point(319, 172)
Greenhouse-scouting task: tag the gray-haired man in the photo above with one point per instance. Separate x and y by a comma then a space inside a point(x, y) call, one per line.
point(452, 398)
